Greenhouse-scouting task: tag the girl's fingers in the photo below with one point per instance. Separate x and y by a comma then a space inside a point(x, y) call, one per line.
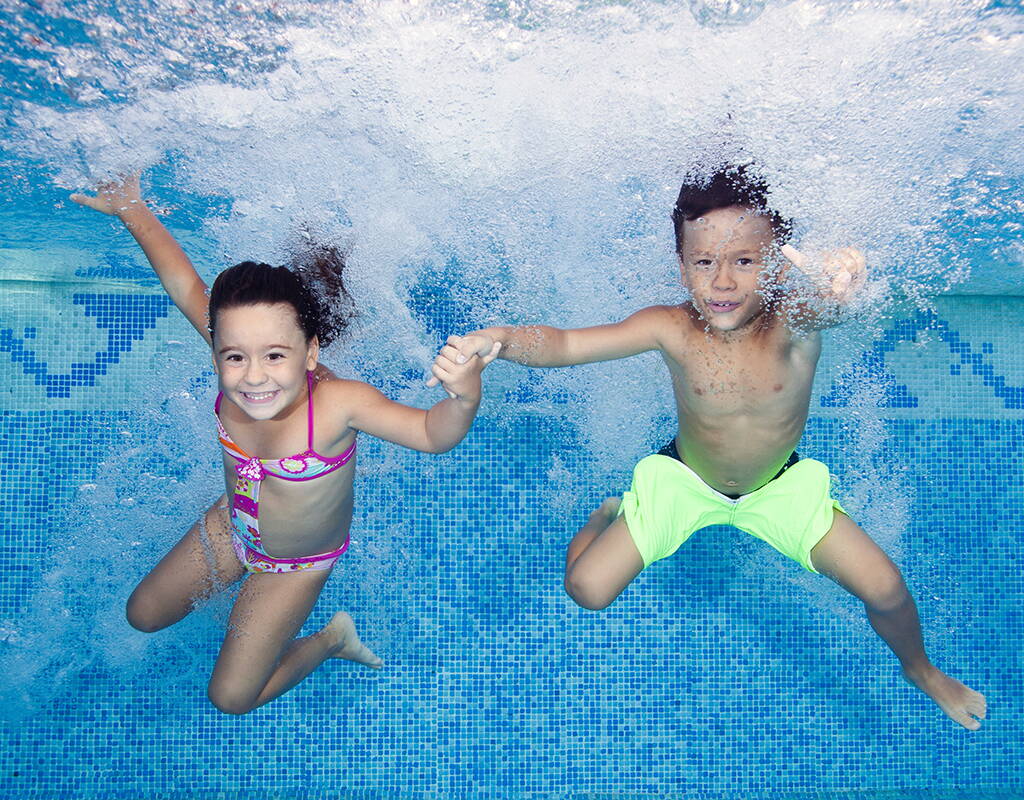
point(493, 354)
point(89, 201)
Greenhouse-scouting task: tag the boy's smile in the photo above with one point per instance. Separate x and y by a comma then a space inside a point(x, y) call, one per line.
point(722, 260)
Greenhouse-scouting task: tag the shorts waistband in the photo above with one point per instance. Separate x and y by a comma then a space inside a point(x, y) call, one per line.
point(672, 451)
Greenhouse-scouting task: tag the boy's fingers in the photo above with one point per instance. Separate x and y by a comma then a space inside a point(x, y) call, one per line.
point(799, 259)
point(439, 368)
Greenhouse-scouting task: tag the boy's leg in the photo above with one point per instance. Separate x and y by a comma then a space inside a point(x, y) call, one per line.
point(852, 559)
point(602, 558)
point(199, 565)
point(260, 658)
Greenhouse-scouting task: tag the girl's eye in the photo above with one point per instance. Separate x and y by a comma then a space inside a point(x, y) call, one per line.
point(233, 358)
point(275, 356)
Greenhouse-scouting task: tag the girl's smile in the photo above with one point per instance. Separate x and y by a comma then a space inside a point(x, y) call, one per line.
point(261, 357)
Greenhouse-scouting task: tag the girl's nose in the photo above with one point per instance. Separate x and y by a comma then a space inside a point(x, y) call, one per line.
point(254, 373)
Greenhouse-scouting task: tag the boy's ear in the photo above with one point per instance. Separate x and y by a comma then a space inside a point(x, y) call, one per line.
point(682, 270)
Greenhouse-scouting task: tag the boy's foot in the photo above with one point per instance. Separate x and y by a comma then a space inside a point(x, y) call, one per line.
point(960, 703)
point(349, 647)
point(607, 511)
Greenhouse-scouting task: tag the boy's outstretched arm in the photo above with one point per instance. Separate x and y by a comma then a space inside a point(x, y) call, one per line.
point(123, 199)
point(543, 346)
point(837, 277)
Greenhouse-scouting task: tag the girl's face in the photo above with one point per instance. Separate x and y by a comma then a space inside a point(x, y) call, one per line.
point(261, 356)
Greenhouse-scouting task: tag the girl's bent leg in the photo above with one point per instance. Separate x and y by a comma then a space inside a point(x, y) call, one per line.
point(199, 565)
point(260, 658)
point(602, 559)
point(852, 559)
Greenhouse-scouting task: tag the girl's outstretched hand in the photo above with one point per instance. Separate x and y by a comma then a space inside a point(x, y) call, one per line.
point(459, 364)
point(116, 198)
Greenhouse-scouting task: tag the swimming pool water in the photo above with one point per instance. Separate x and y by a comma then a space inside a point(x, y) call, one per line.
point(723, 672)
point(492, 161)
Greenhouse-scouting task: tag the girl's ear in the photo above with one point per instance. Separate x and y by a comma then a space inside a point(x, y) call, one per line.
point(213, 360)
point(313, 353)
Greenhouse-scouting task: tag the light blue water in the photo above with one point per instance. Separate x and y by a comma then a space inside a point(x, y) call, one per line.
point(511, 162)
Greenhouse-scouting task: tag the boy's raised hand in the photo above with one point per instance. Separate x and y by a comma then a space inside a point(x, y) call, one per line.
point(459, 364)
point(838, 275)
point(116, 198)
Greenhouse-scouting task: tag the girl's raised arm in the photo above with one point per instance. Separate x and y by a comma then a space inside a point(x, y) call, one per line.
point(122, 199)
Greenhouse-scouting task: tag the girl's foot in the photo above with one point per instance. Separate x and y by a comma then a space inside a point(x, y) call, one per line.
point(349, 647)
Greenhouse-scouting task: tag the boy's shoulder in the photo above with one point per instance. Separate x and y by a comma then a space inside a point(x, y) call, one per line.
point(662, 314)
point(679, 318)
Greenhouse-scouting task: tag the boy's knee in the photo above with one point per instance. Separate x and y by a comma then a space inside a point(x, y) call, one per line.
point(229, 700)
point(887, 590)
point(586, 591)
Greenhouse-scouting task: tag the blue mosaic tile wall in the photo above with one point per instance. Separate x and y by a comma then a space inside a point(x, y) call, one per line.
point(724, 672)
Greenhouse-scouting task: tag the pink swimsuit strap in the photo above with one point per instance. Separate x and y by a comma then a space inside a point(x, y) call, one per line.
point(309, 464)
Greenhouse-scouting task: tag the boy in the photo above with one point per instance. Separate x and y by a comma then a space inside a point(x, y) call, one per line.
point(742, 358)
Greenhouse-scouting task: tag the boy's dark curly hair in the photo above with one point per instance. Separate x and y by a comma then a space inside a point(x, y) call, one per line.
point(729, 186)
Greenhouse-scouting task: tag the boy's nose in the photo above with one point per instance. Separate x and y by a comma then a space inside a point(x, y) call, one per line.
point(723, 279)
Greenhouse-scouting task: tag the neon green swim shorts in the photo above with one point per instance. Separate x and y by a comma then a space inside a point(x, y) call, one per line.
point(668, 502)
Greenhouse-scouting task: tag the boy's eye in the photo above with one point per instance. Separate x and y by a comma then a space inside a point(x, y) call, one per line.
point(703, 263)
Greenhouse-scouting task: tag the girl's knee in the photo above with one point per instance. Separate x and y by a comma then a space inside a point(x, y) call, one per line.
point(142, 614)
point(230, 699)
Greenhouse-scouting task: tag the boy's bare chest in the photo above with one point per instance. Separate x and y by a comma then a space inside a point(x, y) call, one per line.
point(743, 377)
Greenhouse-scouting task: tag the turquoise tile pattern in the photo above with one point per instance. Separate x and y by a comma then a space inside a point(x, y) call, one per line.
point(723, 672)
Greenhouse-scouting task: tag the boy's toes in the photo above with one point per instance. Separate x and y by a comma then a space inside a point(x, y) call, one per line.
point(610, 507)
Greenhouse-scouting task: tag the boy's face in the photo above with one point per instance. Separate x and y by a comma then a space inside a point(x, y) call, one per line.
point(723, 259)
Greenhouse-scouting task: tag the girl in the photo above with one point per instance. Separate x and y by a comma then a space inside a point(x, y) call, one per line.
point(287, 427)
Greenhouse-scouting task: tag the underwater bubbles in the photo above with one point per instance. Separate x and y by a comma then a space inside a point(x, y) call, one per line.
point(714, 13)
